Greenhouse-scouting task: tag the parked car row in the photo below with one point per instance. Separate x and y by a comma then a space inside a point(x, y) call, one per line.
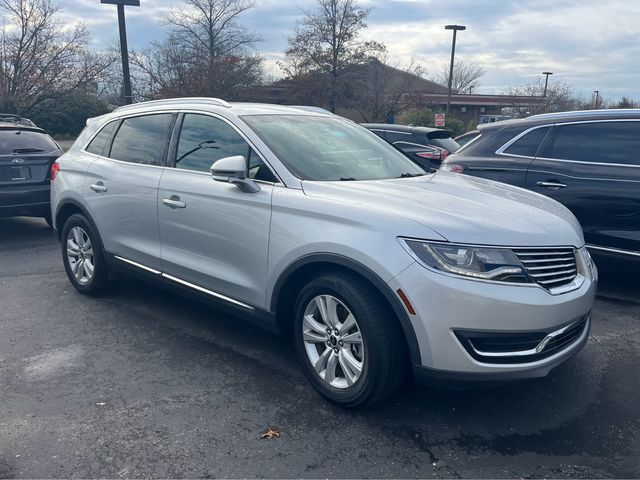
point(311, 225)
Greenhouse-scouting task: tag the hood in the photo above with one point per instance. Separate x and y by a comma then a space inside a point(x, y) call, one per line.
point(462, 209)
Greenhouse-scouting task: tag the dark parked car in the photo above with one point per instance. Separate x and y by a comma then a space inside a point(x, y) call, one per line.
point(26, 156)
point(425, 146)
point(588, 161)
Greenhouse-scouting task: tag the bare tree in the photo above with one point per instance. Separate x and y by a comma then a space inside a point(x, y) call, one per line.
point(466, 75)
point(560, 97)
point(206, 53)
point(40, 58)
point(327, 41)
point(379, 91)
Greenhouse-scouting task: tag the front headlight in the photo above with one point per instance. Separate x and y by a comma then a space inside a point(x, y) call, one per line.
point(497, 264)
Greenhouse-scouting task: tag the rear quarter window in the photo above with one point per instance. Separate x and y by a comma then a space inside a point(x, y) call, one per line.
point(529, 144)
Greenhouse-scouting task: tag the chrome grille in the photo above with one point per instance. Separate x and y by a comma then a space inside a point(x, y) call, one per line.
point(549, 267)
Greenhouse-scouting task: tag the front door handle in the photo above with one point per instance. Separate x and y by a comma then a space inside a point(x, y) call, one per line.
point(98, 187)
point(551, 184)
point(174, 202)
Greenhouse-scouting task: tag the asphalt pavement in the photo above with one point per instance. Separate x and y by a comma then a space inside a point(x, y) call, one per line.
point(145, 383)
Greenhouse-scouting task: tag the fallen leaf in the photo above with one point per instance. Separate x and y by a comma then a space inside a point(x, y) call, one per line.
point(270, 433)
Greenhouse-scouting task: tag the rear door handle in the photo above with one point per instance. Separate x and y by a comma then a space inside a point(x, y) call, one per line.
point(98, 187)
point(551, 184)
point(174, 202)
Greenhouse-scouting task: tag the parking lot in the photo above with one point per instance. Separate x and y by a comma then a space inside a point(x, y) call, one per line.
point(143, 383)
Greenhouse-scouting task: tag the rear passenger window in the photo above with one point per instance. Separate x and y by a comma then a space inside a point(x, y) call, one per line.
point(143, 139)
point(528, 144)
point(100, 140)
point(607, 142)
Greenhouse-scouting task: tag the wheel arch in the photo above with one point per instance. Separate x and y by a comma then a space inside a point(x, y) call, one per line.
point(68, 207)
point(289, 283)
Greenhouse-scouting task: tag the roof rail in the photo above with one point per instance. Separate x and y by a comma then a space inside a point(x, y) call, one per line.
point(578, 113)
point(171, 101)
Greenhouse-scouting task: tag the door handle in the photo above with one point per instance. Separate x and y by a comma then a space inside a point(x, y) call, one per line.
point(551, 184)
point(98, 187)
point(174, 202)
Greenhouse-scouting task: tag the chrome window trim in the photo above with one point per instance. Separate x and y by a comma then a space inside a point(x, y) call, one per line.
point(185, 283)
point(124, 116)
point(501, 150)
point(607, 179)
point(614, 250)
point(416, 144)
point(584, 162)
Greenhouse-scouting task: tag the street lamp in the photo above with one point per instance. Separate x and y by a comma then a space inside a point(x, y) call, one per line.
point(595, 101)
point(456, 29)
point(124, 49)
point(546, 82)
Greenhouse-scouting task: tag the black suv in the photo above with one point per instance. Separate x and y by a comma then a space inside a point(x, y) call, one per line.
point(424, 145)
point(26, 156)
point(588, 161)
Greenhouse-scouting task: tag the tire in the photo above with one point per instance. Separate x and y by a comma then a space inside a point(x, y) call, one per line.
point(47, 218)
point(77, 230)
point(382, 353)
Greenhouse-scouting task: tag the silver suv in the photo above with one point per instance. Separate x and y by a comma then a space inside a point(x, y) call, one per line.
point(311, 225)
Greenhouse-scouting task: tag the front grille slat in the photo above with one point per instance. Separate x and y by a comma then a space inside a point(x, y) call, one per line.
point(549, 267)
point(549, 274)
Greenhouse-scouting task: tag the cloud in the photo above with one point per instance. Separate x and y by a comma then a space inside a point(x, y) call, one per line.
point(589, 44)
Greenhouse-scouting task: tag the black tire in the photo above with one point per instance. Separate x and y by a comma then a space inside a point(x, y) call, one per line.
point(385, 358)
point(99, 281)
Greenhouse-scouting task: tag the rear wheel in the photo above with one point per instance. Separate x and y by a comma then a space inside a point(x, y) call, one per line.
point(349, 341)
point(82, 256)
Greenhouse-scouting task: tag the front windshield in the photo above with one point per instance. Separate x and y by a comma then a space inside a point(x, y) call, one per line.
point(330, 148)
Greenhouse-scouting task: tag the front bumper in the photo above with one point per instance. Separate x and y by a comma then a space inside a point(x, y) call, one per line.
point(29, 200)
point(450, 309)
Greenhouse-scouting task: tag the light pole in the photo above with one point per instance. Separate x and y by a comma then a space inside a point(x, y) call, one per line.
point(546, 82)
point(456, 29)
point(595, 101)
point(124, 49)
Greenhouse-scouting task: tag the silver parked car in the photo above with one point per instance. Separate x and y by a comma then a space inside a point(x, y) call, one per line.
point(309, 224)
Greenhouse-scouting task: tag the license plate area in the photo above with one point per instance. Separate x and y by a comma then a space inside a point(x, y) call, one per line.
point(19, 173)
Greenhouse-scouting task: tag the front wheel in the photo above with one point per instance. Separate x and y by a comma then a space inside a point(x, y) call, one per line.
point(349, 342)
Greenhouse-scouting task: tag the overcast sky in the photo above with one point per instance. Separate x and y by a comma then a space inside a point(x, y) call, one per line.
point(589, 44)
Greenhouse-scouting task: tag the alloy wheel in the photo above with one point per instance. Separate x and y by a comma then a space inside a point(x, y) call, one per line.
point(80, 255)
point(333, 341)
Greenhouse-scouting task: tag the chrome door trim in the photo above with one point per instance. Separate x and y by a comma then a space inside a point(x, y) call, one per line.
point(139, 265)
point(208, 292)
point(185, 283)
point(614, 250)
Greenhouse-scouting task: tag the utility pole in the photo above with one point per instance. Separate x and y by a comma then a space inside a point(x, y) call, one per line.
point(124, 49)
point(546, 82)
point(456, 29)
point(595, 101)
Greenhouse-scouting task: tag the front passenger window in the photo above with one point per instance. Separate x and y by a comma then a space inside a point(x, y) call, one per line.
point(205, 139)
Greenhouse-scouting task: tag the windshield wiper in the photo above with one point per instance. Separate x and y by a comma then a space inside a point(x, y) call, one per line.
point(411, 175)
point(348, 179)
point(28, 150)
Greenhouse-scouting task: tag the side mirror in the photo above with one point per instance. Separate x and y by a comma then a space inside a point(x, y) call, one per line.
point(234, 170)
